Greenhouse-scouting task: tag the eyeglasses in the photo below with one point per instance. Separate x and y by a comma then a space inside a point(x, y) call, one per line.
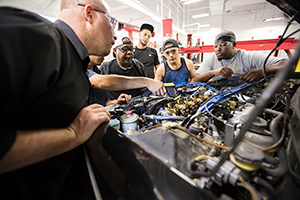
point(146, 35)
point(112, 20)
point(171, 51)
point(222, 45)
point(125, 49)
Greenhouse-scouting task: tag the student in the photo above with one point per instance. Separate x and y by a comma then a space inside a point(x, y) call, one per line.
point(133, 73)
point(228, 60)
point(175, 69)
point(147, 55)
point(98, 94)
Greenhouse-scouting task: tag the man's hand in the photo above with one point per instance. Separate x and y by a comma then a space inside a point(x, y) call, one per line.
point(252, 75)
point(124, 98)
point(226, 72)
point(88, 120)
point(156, 87)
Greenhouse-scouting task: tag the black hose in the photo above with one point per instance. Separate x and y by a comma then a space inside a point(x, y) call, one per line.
point(157, 105)
point(275, 130)
point(214, 149)
point(266, 185)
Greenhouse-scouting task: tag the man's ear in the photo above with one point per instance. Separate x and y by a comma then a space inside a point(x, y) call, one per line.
point(114, 52)
point(89, 13)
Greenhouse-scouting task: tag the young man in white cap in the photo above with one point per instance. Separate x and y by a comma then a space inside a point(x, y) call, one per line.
point(147, 55)
point(175, 69)
point(228, 60)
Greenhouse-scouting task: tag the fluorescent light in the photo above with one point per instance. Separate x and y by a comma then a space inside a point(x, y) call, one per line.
point(204, 25)
point(273, 19)
point(200, 15)
point(140, 7)
point(189, 2)
point(192, 24)
point(199, 25)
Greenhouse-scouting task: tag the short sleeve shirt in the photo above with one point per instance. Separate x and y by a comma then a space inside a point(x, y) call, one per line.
point(149, 58)
point(239, 64)
point(43, 85)
point(114, 68)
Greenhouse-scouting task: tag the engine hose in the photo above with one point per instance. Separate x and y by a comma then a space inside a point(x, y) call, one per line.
point(153, 98)
point(214, 149)
point(160, 118)
point(275, 130)
point(157, 104)
point(266, 185)
point(252, 190)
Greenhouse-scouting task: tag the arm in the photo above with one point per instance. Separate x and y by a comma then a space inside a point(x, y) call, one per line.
point(156, 66)
point(191, 68)
point(254, 74)
point(223, 71)
point(117, 82)
point(37, 145)
point(123, 98)
point(160, 73)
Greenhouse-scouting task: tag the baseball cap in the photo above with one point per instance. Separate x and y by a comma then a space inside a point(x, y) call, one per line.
point(225, 36)
point(148, 27)
point(170, 41)
point(120, 41)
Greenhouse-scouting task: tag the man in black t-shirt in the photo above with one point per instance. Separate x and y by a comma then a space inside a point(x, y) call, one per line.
point(126, 65)
point(147, 55)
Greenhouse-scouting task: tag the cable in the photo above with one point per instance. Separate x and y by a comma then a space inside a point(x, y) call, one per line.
point(289, 162)
point(203, 156)
point(192, 135)
point(221, 120)
point(202, 140)
point(151, 127)
point(279, 42)
point(253, 192)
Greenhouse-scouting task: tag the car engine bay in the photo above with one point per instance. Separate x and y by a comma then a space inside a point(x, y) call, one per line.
point(213, 141)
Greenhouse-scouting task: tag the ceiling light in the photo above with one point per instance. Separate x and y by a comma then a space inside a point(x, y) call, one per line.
point(192, 24)
point(188, 2)
point(273, 19)
point(200, 15)
point(204, 25)
point(199, 25)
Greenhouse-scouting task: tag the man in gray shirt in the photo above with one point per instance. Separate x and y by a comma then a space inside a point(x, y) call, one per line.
point(228, 61)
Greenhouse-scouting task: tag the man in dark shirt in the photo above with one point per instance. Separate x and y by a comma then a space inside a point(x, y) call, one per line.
point(98, 94)
point(147, 55)
point(44, 112)
point(124, 64)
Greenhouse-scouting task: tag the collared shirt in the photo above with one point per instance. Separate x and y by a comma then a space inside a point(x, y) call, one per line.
point(70, 34)
point(43, 85)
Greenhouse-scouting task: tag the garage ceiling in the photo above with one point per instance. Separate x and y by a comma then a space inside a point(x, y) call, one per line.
point(182, 12)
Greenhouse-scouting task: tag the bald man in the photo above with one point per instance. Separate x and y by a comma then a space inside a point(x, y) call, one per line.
point(45, 116)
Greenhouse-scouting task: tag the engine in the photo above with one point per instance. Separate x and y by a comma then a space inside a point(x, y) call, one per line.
point(199, 134)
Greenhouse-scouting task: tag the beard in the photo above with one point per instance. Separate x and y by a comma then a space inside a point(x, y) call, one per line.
point(142, 43)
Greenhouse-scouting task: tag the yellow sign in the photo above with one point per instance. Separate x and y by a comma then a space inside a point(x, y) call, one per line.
point(298, 66)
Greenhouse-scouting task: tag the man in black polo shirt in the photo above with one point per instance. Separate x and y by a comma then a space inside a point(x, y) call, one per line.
point(44, 89)
point(147, 55)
